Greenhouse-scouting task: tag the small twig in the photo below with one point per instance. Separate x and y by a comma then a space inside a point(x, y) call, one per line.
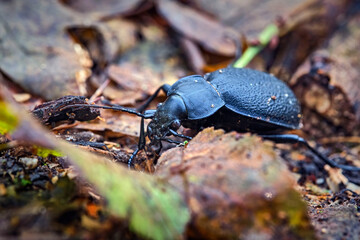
point(99, 91)
point(65, 126)
point(264, 38)
point(99, 151)
point(352, 139)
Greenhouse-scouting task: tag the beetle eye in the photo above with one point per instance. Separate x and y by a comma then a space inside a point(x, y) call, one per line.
point(175, 124)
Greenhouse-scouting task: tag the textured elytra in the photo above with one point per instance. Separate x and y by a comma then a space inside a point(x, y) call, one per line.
point(257, 95)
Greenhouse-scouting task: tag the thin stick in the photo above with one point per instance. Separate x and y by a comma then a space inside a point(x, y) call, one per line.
point(351, 139)
point(99, 91)
point(265, 37)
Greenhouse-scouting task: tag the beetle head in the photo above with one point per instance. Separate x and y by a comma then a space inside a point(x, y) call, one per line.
point(168, 116)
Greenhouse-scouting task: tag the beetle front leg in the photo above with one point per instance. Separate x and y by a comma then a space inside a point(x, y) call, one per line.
point(132, 157)
point(141, 144)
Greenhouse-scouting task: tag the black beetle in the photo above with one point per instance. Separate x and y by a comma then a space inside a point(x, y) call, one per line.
point(238, 99)
point(230, 98)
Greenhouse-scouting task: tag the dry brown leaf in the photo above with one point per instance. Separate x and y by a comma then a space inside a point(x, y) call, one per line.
point(35, 52)
point(207, 31)
point(336, 179)
point(235, 186)
point(105, 8)
point(247, 17)
point(305, 29)
point(143, 69)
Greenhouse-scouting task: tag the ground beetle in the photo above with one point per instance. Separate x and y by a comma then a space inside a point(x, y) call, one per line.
point(238, 99)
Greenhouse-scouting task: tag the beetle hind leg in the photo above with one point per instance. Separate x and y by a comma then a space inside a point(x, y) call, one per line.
point(292, 138)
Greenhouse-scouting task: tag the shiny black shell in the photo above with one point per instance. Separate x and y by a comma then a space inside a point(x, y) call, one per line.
point(255, 98)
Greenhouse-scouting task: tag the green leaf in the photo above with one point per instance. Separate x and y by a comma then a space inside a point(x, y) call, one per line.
point(154, 208)
point(8, 120)
point(25, 182)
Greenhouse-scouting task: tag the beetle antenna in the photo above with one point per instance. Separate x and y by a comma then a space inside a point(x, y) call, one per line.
point(116, 108)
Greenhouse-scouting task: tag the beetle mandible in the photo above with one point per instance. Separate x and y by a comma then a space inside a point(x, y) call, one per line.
point(239, 99)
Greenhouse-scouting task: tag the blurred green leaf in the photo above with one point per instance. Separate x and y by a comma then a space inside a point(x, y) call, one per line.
point(153, 207)
point(8, 120)
point(45, 152)
point(264, 38)
point(25, 182)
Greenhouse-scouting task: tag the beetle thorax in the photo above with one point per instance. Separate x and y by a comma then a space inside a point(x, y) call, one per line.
point(168, 116)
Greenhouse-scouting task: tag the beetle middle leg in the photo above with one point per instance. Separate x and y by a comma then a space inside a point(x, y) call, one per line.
point(171, 141)
point(179, 135)
point(292, 138)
